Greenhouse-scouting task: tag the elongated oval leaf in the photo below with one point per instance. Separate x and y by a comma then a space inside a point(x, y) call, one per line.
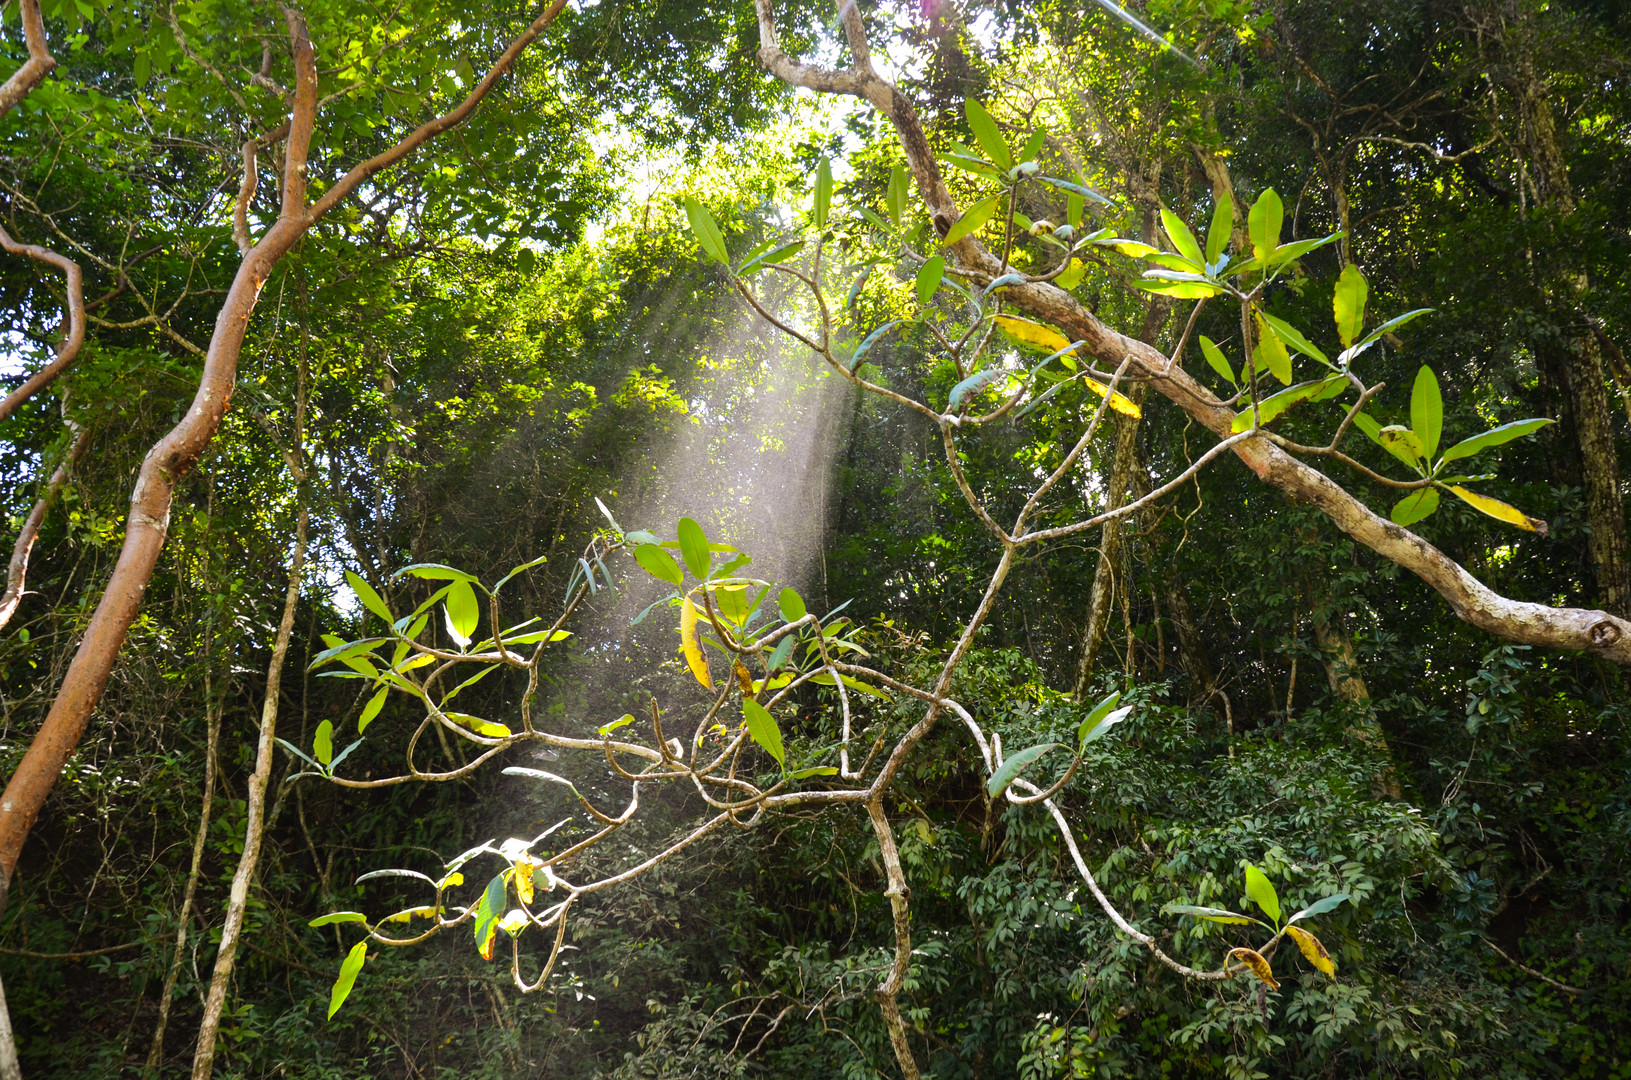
point(707, 231)
point(1495, 508)
point(1182, 238)
point(1215, 358)
point(988, 135)
point(1517, 429)
point(1414, 507)
point(1320, 907)
point(763, 729)
point(1263, 223)
point(659, 564)
point(792, 605)
point(823, 193)
point(322, 743)
point(871, 339)
point(370, 599)
point(1393, 324)
point(694, 547)
point(1294, 338)
point(463, 613)
point(1102, 728)
point(928, 279)
point(899, 193)
point(1033, 333)
point(973, 219)
point(691, 645)
point(975, 382)
point(1313, 950)
point(1273, 406)
point(434, 572)
point(1259, 966)
point(1348, 304)
point(1215, 914)
point(372, 709)
point(349, 967)
point(1010, 770)
point(1427, 411)
point(1261, 890)
point(1217, 236)
point(1120, 402)
point(339, 917)
point(1271, 352)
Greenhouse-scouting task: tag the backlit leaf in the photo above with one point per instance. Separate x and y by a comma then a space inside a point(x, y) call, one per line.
point(1427, 411)
point(463, 613)
point(1118, 401)
point(707, 231)
point(1032, 333)
point(1215, 358)
point(349, 967)
point(973, 219)
point(1495, 508)
point(370, 599)
point(338, 917)
point(659, 564)
point(372, 709)
point(1517, 429)
point(1414, 507)
point(1271, 407)
point(763, 729)
point(899, 193)
point(988, 135)
point(1263, 223)
point(694, 546)
point(323, 743)
point(1182, 238)
point(1294, 338)
point(1261, 890)
point(928, 279)
point(1348, 304)
point(823, 193)
point(1271, 353)
point(792, 605)
point(1217, 236)
point(691, 646)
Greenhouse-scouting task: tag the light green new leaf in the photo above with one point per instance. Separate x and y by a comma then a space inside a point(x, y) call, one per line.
point(819, 770)
point(434, 572)
point(823, 193)
point(322, 743)
point(1182, 238)
point(792, 605)
point(694, 547)
point(338, 917)
point(463, 613)
point(1427, 411)
point(349, 967)
point(1010, 770)
point(763, 729)
point(1294, 337)
point(372, 709)
point(1271, 352)
point(988, 135)
point(899, 193)
point(370, 599)
point(707, 231)
point(1348, 304)
point(973, 219)
point(1261, 890)
point(1214, 357)
point(1415, 506)
point(1264, 221)
point(1217, 237)
point(1271, 407)
point(1517, 429)
point(659, 564)
point(1102, 728)
point(928, 279)
point(1100, 711)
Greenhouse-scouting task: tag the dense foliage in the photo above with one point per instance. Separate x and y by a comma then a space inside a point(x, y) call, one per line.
point(520, 320)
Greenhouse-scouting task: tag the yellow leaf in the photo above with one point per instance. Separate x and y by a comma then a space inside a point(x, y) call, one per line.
point(523, 879)
point(691, 645)
point(744, 679)
point(486, 946)
point(1260, 967)
point(1045, 338)
point(1311, 947)
point(1118, 401)
point(1495, 508)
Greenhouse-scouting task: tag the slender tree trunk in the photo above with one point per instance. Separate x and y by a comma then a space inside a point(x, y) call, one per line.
point(17, 571)
point(1102, 595)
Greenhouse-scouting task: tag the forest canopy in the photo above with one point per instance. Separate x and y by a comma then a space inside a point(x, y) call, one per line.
point(766, 538)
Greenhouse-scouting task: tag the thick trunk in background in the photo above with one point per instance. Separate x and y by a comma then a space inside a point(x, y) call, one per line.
point(1587, 389)
point(1348, 686)
point(1102, 595)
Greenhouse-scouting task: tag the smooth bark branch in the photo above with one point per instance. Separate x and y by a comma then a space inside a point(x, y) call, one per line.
point(1527, 623)
point(178, 451)
point(74, 314)
point(39, 64)
point(17, 571)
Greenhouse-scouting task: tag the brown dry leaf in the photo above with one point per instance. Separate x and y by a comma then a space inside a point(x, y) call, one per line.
point(1311, 947)
point(1260, 967)
point(523, 879)
point(744, 679)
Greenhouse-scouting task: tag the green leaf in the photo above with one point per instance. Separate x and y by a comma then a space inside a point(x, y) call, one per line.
point(1261, 890)
point(975, 382)
point(659, 564)
point(1217, 236)
point(1271, 352)
point(1075, 189)
point(372, 709)
point(370, 599)
point(1214, 914)
point(792, 605)
point(1297, 249)
point(819, 770)
point(622, 721)
point(1517, 429)
point(338, 917)
point(1033, 145)
point(1010, 770)
point(973, 218)
point(1264, 221)
point(349, 967)
point(988, 135)
point(1098, 712)
point(1294, 337)
point(1414, 506)
point(928, 279)
point(762, 728)
point(707, 231)
point(1348, 304)
point(854, 684)
point(1102, 728)
point(1182, 238)
point(899, 193)
point(1214, 357)
point(779, 655)
point(434, 572)
point(463, 613)
point(1181, 288)
point(1427, 411)
point(694, 547)
point(1271, 407)
point(485, 728)
point(1319, 907)
point(322, 743)
point(823, 194)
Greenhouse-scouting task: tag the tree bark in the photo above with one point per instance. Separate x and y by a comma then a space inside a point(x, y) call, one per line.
point(17, 571)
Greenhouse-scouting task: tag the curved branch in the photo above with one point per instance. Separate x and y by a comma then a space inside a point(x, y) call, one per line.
point(73, 339)
point(40, 62)
point(17, 572)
